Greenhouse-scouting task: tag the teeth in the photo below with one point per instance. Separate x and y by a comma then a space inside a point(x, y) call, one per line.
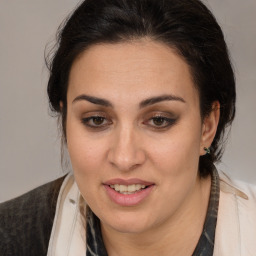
point(131, 188)
point(124, 189)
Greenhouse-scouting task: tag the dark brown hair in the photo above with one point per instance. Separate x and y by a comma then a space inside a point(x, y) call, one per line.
point(185, 25)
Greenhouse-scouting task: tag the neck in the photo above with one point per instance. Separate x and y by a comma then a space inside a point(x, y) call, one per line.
point(177, 236)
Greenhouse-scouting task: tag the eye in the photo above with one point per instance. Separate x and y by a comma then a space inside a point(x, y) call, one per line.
point(96, 121)
point(160, 122)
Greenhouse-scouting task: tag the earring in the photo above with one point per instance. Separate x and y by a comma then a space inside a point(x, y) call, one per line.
point(207, 150)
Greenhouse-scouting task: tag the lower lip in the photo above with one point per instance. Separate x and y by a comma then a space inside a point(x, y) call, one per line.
point(128, 199)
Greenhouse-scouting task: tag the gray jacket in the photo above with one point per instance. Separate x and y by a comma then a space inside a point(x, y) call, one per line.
point(26, 221)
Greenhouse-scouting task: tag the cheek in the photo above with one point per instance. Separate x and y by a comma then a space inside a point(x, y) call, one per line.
point(176, 165)
point(85, 153)
point(178, 154)
point(86, 156)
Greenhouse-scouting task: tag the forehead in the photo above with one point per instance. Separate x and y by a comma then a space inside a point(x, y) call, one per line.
point(143, 68)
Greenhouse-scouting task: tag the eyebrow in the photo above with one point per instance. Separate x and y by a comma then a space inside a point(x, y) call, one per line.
point(158, 99)
point(94, 100)
point(144, 103)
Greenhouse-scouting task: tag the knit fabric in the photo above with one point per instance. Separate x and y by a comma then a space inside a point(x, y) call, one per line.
point(26, 221)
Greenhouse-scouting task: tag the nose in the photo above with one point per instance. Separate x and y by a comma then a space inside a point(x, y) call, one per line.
point(126, 151)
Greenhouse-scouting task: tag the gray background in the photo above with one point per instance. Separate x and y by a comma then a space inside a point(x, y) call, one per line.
point(29, 141)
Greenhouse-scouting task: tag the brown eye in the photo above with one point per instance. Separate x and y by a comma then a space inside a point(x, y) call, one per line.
point(98, 120)
point(158, 121)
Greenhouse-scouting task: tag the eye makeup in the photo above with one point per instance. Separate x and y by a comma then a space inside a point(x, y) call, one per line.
point(96, 121)
point(160, 120)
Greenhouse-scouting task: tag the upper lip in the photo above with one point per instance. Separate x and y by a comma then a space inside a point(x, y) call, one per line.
point(127, 182)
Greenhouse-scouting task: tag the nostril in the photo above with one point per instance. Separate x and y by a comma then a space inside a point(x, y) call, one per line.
point(126, 160)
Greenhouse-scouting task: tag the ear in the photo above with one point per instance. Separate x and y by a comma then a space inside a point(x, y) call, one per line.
point(209, 127)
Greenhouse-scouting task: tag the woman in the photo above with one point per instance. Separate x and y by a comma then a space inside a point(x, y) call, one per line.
point(144, 90)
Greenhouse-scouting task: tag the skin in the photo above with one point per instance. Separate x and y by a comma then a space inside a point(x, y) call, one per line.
point(131, 141)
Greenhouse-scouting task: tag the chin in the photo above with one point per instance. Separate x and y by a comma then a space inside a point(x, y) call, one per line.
point(130, 228)
point(129, 223)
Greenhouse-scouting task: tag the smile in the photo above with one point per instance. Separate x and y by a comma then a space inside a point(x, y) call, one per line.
point(128, 189)
point(129, 192)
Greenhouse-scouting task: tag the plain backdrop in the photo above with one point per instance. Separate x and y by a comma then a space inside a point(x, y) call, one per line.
point(29, 141)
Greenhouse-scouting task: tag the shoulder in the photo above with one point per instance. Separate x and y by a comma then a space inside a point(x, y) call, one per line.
point(236, 223)
point(239, 188)
point(240, 194)
point(26, 221)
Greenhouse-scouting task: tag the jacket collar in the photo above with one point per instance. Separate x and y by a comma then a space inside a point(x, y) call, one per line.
point(228, 235)
point(68, 233)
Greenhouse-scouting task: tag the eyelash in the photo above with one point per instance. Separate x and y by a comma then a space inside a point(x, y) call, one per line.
point(86, 122)
point(166, 120)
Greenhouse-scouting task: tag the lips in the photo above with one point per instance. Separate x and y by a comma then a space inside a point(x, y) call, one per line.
point(127, 182)
point(123, 189)
point(128, 192)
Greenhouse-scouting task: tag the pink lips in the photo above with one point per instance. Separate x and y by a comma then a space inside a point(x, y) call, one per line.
point(128, 199)
point(127, 182)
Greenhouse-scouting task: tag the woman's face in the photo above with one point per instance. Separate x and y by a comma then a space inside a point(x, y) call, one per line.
point(134, 133)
